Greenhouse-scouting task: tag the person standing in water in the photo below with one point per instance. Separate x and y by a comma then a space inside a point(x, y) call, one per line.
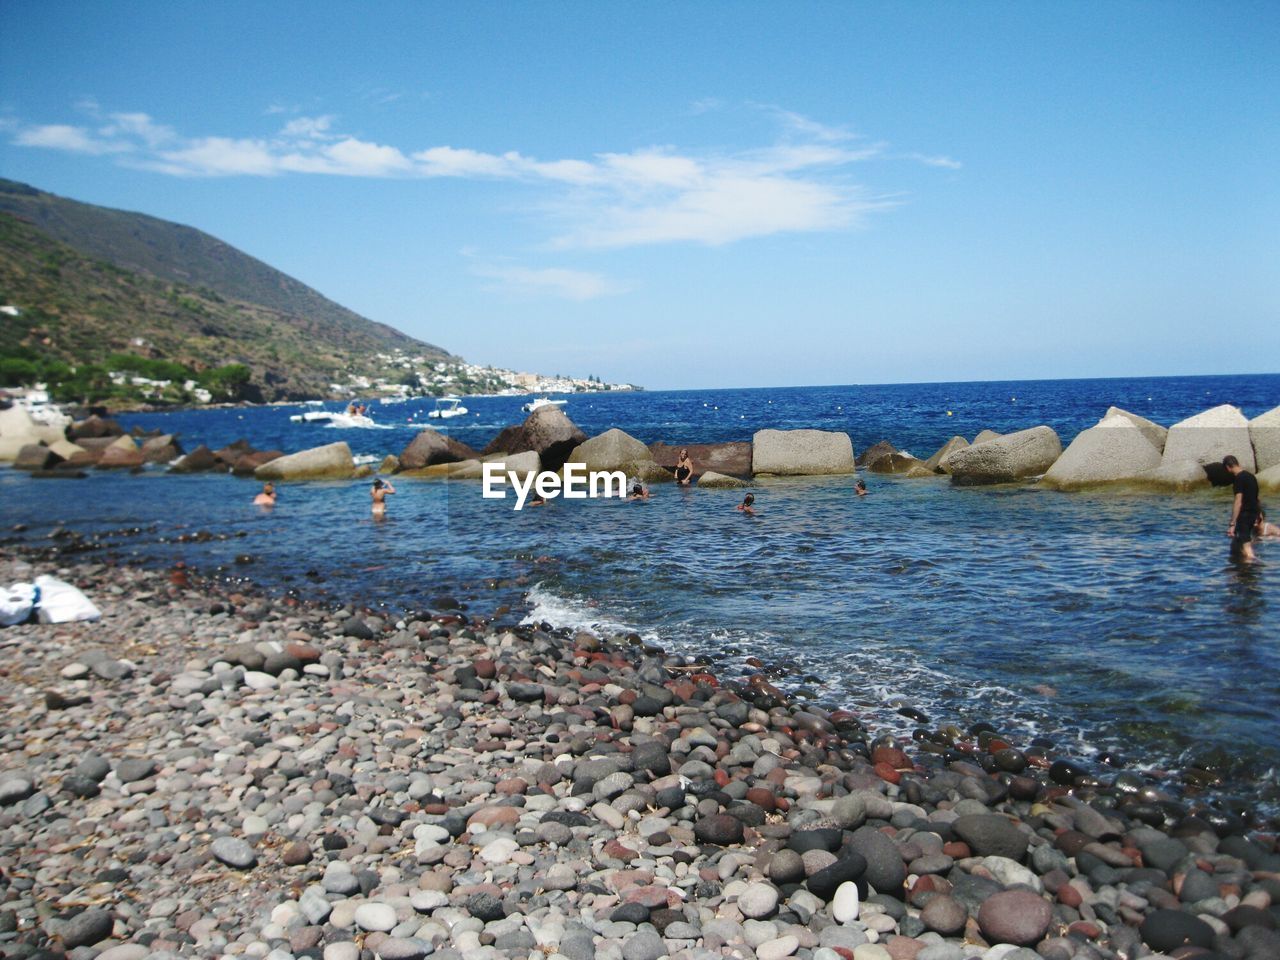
point(267, 498)
point(684, 469)
point(381, 488)
point(1244, 509)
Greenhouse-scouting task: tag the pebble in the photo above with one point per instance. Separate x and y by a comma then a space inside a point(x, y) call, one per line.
point(758, 901)
point(375, 916)
point(846, 903)
point(234, 852)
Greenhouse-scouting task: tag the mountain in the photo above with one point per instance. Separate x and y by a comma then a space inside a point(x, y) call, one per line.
point(90, 282)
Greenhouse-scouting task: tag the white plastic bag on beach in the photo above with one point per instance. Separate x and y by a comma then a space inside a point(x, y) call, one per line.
point(16, 603)
point(60, 602)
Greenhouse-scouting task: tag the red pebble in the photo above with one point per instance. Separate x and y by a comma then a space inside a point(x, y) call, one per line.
point(956, 850)
point(722, 777)
point(1069, 896)
point(891, 757)
point(887, 773)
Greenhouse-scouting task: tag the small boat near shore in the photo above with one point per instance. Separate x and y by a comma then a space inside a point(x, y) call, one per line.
point(541, 402)
point(447, 407)
point(329, 418)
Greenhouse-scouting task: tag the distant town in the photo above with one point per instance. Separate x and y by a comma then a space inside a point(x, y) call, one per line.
point(423, 376)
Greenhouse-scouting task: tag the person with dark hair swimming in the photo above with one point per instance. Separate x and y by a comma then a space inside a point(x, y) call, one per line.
point(381, 488)
point(860, 488)
point(1245, 509)
point(745, 505)
point(267, 498)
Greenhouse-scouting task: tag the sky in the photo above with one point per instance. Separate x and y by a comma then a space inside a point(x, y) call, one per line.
point(708, 194)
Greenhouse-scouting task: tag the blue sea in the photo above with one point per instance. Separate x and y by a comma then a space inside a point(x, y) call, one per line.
point(1100, 621)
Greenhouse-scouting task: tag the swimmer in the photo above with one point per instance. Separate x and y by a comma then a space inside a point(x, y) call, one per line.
point(267, 498)
point(637, 490)
point(379, 496)
point(745, 505)
point(1263, 529)
point(684, 469)
point(860, 488)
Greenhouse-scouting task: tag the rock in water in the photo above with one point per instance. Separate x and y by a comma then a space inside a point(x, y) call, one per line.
point(333, 461)
point(1209, 436)
point(609, 451)
point(801, 452)
point(1014, 456)
point(431, 447)
point(547, 432)
point(1015, 916)
point(937, 461)
point(1113, 450)
point(234, 852)
point(1264, 432)
point(1154, 433)
point(712, 480)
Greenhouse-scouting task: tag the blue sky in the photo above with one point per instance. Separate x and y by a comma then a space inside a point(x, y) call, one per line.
point(702, 194)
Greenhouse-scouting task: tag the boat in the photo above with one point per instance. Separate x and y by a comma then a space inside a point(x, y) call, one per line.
point(541, 402)
point(40, 407)
point(312, 416)
point(330, 419)
point(447, 407)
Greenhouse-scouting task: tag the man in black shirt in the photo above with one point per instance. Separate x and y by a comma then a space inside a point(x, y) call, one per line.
point(1244, 510)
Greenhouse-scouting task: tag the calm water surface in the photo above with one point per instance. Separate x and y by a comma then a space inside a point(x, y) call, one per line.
point(1103, 621)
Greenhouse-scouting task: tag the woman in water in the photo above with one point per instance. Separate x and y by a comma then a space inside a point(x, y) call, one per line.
point(745, 505)
point(1263, 529)
point(267, 498)
point(684, 469)
point(379, 496)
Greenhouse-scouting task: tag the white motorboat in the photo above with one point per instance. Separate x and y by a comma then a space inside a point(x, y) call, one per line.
point(312, 416)
point(330, 419)
point(541, 402)
point(447, 407)
point(351, 420)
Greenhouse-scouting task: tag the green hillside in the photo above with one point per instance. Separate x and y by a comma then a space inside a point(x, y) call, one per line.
point(92, 282)
point(79, 310)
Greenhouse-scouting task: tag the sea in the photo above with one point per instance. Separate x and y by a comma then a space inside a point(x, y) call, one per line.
point(1111, 624)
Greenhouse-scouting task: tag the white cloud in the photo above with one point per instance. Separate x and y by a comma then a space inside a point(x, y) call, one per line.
point(549, 281)
point(944, 162)
point(60, 136)
point(308, 128)
point(659, 194)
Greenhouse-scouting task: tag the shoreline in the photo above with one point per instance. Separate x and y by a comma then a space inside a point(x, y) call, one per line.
point(500, 790)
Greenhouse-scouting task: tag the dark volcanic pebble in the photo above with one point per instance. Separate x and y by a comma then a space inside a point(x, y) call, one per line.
point(720, 829)
point(885, 869)
point(1166, 930)
point(1015, 916)
point(851, 867)
point(991, 835)
point(131, 771)
point(485, 906)
point(87, 928)
point(636, 913)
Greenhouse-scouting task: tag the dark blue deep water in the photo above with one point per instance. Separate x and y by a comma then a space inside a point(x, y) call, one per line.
point(1104, 621)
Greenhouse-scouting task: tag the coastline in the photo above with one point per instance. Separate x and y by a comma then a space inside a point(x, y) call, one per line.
point(495, 791)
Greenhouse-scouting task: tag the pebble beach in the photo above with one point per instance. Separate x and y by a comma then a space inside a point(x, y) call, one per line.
point(209, 773)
